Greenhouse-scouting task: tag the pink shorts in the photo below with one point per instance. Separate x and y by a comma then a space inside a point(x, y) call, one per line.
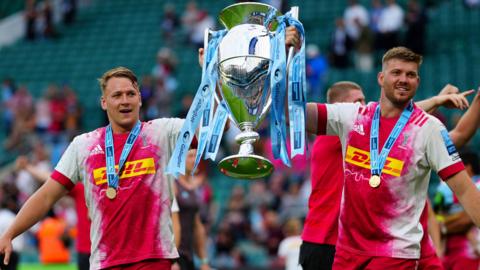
point(151, 264)
point(430, 262)
point(345, 260)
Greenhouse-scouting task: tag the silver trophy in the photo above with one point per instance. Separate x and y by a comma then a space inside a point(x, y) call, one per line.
point(243, 70)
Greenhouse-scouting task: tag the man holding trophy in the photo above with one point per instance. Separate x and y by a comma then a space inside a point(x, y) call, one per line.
point(389, 148)
point(130, 210)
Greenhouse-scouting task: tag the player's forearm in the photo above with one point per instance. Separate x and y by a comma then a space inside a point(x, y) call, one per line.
point(467, 125)
point(200, 238)
point(471, 204)
point(467, 194)
point(428, 105)
point(35, 208)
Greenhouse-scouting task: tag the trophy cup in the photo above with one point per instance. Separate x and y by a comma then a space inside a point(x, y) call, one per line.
point(244, 61)
point(242, 64)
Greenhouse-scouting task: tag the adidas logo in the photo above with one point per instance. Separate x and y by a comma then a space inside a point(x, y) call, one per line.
point(97, 150)
point(359, 129)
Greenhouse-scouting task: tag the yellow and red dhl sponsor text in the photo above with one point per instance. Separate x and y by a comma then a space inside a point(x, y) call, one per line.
point(361, 158)
point(131, 169)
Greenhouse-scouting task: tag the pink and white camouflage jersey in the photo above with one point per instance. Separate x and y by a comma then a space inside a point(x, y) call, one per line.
point(136, 225)
point(384, 221)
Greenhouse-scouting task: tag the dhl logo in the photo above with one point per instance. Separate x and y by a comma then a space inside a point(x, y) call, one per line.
point(131, 169)
point(361, 158)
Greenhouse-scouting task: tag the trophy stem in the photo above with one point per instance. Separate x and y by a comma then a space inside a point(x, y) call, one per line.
point(246, 138)
point(246, 164)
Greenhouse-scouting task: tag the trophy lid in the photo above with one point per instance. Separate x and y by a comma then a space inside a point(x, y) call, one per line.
point(248, 12)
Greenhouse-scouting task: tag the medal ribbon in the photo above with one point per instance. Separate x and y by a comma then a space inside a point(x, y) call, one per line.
point(112, 175)
point(377, 162)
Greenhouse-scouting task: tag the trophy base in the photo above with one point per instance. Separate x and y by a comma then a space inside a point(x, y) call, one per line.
point(246, 166)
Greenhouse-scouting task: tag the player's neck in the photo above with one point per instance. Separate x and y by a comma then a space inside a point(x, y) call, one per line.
point(389, 109)
point(118, 129)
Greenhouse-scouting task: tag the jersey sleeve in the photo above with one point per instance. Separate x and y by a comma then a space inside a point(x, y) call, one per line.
point(67, 170)
point(340, 116)
point(441, 153)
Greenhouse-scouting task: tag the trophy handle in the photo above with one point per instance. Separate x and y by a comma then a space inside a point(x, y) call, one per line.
point(294, 11)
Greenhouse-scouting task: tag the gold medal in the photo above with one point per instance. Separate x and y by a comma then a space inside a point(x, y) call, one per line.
point(374, 181)
point(111, 193)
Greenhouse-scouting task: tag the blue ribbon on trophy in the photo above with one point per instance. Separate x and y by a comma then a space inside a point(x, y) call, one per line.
point(203, 97)
point(278, 84)
point(216, 132)
point(297, 86)
point(296, 93)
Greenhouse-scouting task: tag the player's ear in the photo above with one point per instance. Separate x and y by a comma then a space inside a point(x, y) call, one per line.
point(103, 103)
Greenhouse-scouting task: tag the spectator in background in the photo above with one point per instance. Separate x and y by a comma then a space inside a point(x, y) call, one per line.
point(416, 21)
point(170, 23)
point(7, 91)
point(316, 69)
point(289, 248)
point(164, 70)
point(49, 25)
point(30, 20)
point(375, 13)
point(226, 256)
point(390, 24)
point(364, 48)
point(202, 22)
point(31, 171)
point(189, 18)
point(21, 104)
point(355, 16)
point(338, 45)
point(73, 119)
point(53, 240)
point(69, 11)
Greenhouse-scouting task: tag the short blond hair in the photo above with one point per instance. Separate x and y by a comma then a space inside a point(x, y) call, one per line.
point(402, 53)
point(339, 90)
point(118, 72)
